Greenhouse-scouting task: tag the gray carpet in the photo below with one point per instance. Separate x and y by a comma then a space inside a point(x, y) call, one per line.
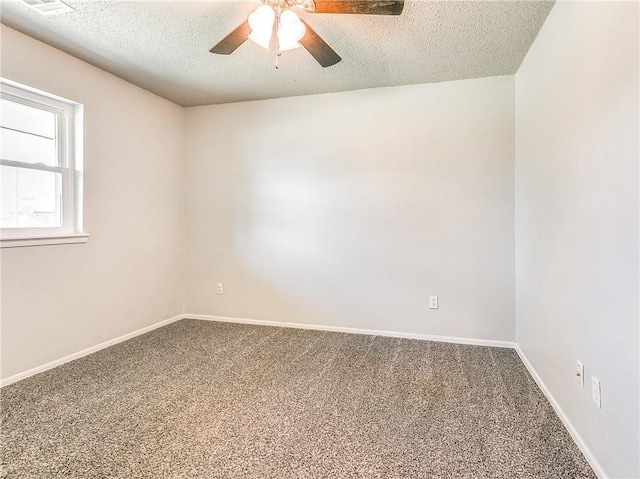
point(200, 399)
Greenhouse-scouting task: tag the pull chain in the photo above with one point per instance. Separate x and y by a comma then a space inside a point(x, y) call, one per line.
point(277, 26)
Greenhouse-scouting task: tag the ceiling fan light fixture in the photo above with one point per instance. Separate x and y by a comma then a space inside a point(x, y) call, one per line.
point(290, 31)
point(293, 32)
point(261, 23)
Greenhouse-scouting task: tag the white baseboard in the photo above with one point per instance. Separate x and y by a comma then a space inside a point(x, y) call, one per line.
point(597, 468)
point(85, 352)
point(373, 332)
point(111, 342)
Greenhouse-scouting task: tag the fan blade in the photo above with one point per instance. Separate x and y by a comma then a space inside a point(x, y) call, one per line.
point(360, 7)
point(233, 40)
point(318, 48)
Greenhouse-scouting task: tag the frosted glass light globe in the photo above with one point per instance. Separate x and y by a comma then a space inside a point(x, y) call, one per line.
point(291, 31)
point(261, 24)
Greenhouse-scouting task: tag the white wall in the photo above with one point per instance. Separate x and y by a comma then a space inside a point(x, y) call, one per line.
point(350, 209)
point(58, 300)
point(577, 220)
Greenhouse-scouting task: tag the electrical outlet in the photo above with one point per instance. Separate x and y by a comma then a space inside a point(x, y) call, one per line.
point(595, 391)
point(219, 288)
point(580, 374)
point(433, 302)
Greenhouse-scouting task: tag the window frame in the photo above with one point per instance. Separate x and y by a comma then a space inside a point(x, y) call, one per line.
point(68, 124)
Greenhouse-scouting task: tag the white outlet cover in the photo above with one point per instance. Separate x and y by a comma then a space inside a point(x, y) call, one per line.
point(433, 302)
point(580, 374)
point(595, 391)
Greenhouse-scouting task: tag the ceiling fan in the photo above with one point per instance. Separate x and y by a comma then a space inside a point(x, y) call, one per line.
point(275, 21)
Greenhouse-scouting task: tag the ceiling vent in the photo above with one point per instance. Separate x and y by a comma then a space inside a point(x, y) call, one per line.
point(48, 7)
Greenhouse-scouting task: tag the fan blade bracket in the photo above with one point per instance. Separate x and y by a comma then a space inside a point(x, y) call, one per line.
point(308, 5)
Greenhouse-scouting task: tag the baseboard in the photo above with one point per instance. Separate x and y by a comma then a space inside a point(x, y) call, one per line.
point(85, 352)
point(111, 342)
point(597, 468)
point(373, 332)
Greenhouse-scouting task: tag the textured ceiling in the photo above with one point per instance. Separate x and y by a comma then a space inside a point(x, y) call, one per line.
point(163, 46)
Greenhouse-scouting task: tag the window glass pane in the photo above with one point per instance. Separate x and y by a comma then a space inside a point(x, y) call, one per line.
point(19, 146)
point(19, 117)
point(30, 198)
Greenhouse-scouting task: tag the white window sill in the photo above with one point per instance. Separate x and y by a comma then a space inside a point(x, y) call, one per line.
point(48, 240)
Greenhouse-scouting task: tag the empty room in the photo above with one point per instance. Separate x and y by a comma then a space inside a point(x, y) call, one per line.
point(320, 239)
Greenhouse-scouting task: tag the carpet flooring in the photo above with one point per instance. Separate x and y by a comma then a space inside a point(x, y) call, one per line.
point(199, 399)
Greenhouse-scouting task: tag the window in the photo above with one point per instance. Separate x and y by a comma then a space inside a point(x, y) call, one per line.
point(40, 168)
